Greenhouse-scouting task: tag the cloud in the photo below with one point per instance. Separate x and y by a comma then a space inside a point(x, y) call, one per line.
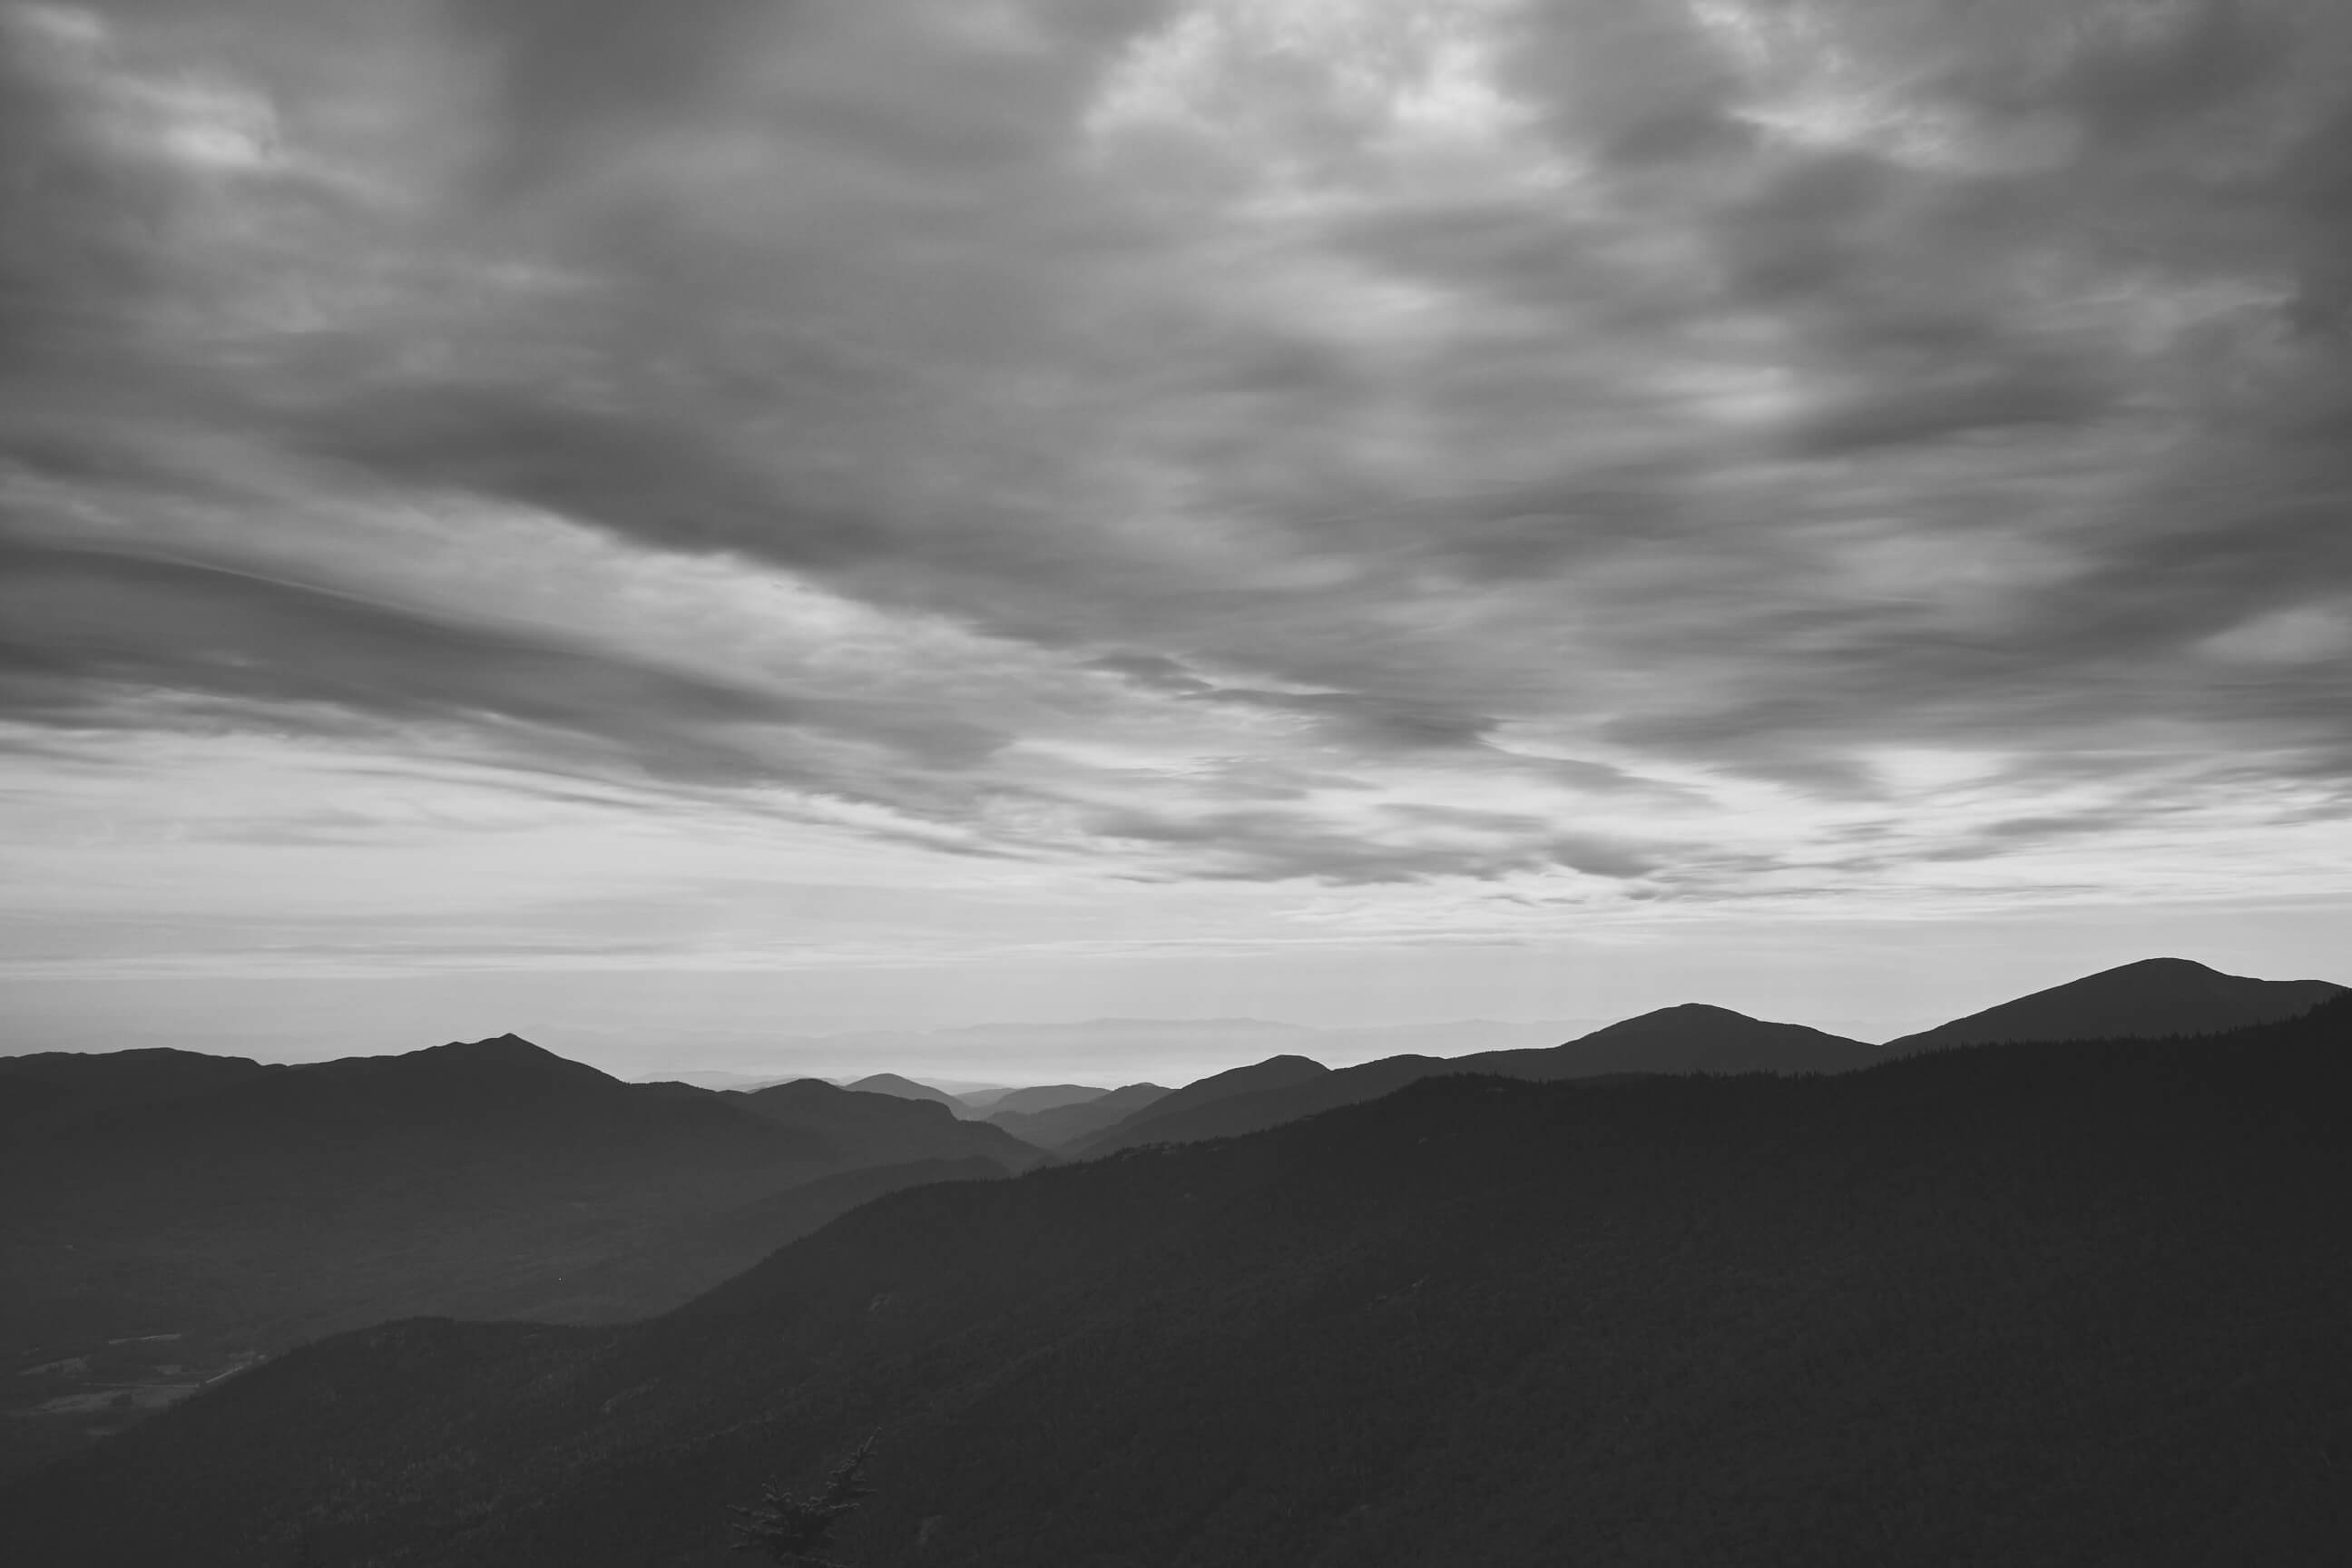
point(642, 474)
point(1413, 845)
point(1636, 415)
point(575, 78)
point(90, 632)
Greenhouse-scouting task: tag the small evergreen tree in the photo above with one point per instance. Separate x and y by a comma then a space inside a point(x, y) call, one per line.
point(795, 1529)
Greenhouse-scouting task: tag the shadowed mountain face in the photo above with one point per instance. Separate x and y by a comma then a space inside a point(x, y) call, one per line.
point(1692, 1038)
point(2153, 998)
point(244, 1208)
point(2015, 1304)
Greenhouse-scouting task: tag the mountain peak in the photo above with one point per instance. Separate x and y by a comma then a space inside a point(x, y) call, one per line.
point(2155, 966)
point(504, 1048)
point(1692, 1013)
point(2150, 997)
point(504, 1063)
point(509, 1042)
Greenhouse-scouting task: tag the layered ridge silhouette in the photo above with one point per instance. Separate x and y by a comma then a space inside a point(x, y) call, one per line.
point(232, 1208)
point(239, 1208)
point(1693, 1037)
point(2019, 1304)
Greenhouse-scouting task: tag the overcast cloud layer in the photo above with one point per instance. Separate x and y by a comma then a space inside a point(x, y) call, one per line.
point(581, 481)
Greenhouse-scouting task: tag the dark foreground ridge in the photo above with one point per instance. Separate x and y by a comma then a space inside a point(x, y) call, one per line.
point(2014, 1304)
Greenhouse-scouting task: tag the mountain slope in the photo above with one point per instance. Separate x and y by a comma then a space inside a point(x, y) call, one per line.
point(1258, 1077)
point(1998, 1305)
point(1693, 1037)
point(1039, 1097)
point(2155, 996)
point(1690, 1039)
point(1064, 1125)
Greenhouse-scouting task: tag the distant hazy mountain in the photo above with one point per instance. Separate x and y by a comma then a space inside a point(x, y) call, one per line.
point(705, 1078)
point(1014, 1054)
point(2012, 1304)
point(2155, 996)
point(1043, 1096)
point(867, 1127)
point(1690, 1039)
point(1065, 1125)
point(890, 1083)
point(246, 1207)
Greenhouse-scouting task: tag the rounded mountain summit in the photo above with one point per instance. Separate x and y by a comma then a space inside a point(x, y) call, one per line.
point(2155, 997)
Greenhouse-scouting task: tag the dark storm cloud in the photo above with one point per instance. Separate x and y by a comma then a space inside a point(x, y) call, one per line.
point(661, 478)
point(577, 74)
point(85, 627)
point(77, 225)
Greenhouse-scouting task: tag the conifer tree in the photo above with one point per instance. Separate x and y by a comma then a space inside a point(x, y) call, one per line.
point(795, 1529)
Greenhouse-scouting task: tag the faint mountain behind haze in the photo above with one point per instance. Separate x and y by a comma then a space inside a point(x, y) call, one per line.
point(1013, 1056)
point(2153, 998)
point(699, 1078)
point(1063, 1125)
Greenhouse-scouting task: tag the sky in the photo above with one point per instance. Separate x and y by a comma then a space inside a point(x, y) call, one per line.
point(665, 527)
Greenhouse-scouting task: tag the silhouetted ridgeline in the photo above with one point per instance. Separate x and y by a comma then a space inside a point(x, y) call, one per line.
point(1692, 1037)
point(2012, 1304)
point(218, 1209)
point(2153, 998)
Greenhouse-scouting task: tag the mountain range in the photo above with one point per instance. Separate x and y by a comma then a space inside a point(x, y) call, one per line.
point(1689, 1038)
point(2156, 995)
point(978, 1062)
point(240, 1208)
point(2024, 1302)
point(227, 1209)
